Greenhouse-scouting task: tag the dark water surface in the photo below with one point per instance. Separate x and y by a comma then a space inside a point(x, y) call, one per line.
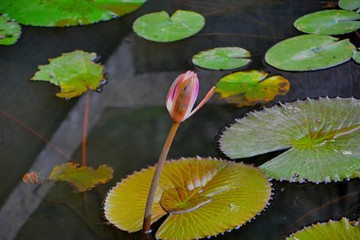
point(129, 121)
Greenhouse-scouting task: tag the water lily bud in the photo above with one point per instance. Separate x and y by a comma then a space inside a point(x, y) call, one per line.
point(182, 96)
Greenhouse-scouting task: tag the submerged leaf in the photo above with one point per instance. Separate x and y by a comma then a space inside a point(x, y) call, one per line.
point(222, 58)
point(330, 22)
point(309, 52)
point(349, 4)
point(160, 27)
point(332, 230)
point(323, 136)
point(190, 191)
point(74, 72)
point(248, 88)
point(61, 13)
point(9, 31)
point(81, 178)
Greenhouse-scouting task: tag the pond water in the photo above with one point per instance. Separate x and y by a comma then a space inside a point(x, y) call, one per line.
point(128, 121)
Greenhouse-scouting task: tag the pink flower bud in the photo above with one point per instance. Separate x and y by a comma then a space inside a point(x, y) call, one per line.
point(182, 96)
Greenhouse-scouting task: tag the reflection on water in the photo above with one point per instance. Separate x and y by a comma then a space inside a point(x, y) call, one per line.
point(129, 121)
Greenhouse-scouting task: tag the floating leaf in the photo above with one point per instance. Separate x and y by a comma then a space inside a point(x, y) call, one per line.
point(74, 72)
point(222, 58)
point(160, 27)
point(81, 178)
point(349, 4)
point(203, 197)
point(332, 230)
point(323, 136)
point(9, 31)
point(248, 88)
point(309, 52)
point(356, 56)
point(61, 13)
point(330, 22)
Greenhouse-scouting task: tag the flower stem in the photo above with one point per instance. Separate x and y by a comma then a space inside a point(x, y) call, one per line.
point(85, 126)
point(155, 181)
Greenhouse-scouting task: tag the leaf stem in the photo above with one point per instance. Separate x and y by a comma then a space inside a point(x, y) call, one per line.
point(155, 181)
point(85, 126)
point(37, 135)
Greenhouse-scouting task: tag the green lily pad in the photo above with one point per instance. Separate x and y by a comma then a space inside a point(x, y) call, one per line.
point(330, 22)
point(349, 4)
point(323, 136)
point(222, 58)
point(81, 178)
point(9, 31)
point(248, 88)
point(160, 27)
point(309, 52)
point(332, 230)
point(356, 56)
point(202, 197)
point(74, 72)
point(61, 13)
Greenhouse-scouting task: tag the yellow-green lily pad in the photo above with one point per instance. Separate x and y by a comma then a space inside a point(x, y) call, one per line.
point(202, 197)
point(248, 88)
point(73, 72)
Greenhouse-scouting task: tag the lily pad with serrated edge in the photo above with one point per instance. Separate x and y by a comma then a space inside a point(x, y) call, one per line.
point(160, 27)
point(222, 58)
point(349, 4)
point(61, 13)
point(323, 136)
point(74, 72)
point(330, 22)
point(309, 52)
point(81, 178)
point(332, 230)
point(9, 31)
point(203, 197)
point(248, 88)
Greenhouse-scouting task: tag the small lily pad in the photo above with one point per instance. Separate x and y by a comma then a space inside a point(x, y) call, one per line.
point(309, 52)
point(160, 27)
point(203, 197)
point(330, 22)
point(248, 88)
point(323, 136)
point(332, 230)
point(349, 4)
point(81, 178)
point(356, 56)
point(9, 31)
point(222, 58)
point(74, 72)
point(61, 13)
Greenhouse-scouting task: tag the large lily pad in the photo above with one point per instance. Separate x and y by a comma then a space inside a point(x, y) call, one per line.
point(349, 4)
point(323, 136)
point(309, 52)
point(222, 58)
point(203, 197)
point(81, 178)
point(74, 72)
point(160, 27)
point(330, 22)
point(248, 88)
point(332, 230)
point(60, 13)
point(356, 56)
point(9, 31)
